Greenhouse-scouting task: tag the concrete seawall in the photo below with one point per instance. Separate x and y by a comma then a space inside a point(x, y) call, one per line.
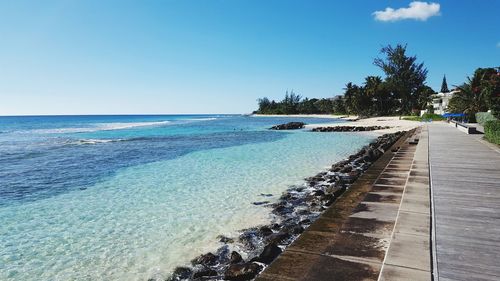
point(367, 233)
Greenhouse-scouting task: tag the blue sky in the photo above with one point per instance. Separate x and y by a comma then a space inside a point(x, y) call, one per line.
point(219, 56)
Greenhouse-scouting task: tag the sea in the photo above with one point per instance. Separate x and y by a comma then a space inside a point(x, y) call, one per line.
point(130, 197)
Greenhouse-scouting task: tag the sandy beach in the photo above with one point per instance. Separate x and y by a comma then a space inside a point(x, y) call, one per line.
point(392, 121)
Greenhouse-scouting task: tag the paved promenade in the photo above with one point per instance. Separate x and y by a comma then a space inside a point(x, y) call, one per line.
point(465, 180)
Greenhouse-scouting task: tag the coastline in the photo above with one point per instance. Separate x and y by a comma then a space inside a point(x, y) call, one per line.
point(393, 122)
point(343, 117)
point(294, 211)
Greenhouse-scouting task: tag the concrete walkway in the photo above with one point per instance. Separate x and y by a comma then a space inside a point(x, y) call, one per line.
point(465, 181)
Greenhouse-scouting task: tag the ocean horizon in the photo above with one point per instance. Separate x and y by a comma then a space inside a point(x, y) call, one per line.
point(130, 197)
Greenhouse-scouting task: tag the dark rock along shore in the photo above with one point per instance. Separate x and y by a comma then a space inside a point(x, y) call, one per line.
point(289, 126)
point(296, 209)
point(349, 128)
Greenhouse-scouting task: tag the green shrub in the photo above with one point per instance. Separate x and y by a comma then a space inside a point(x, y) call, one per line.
point(492, 131)
point(483, 117)
point(495, 107)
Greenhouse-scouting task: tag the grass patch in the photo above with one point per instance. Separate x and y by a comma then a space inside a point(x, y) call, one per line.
point(425, 117)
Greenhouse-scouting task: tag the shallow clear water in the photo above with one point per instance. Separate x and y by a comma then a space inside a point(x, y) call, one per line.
point(130, 197)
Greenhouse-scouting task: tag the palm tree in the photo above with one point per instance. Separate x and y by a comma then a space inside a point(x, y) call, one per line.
point(350, 89)
point(372, 84)
point(424, 96)
point(479, 93)
point(379, 93)
point(467, 100)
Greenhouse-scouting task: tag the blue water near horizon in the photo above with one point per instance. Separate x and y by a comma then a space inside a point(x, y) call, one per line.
point(58, 148)
point(131, 196)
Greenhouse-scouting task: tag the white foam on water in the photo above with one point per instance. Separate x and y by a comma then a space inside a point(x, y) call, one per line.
point(99, 127)
point(95, 141)
point(203, 119)
point(121, 126)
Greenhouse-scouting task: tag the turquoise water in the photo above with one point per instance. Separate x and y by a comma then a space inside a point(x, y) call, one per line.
point(131, 197)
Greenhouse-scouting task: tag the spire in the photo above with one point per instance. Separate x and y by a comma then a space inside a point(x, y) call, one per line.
point(444, 85)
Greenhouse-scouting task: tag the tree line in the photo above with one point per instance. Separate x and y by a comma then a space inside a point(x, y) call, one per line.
point(479, 93)
point(401, 91)
point(295, 104)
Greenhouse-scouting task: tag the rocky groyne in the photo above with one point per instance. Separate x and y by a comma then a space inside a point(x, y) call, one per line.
point(289, 126)
point(349, 128)
point(296, 209)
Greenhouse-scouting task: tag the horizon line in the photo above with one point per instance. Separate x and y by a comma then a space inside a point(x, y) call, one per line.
point(118, 114)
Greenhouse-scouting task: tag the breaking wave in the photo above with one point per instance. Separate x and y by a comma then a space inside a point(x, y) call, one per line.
point(101, 127)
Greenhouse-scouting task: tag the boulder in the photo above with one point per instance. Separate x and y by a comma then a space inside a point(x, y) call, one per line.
point(225, 239)
point(276, 226)
point(242, 272)
point(278, 238)
point(265, 231)
point(318, 192)
point(283, 209)
point(295, 229)
point(260, 203)
point(235, 258)
point(206, 260)
point(349, 128)
point(271, 251)
point(205, 272)
point(266, 194)
point(305, 221)
point(180, 273)
point(346, 169)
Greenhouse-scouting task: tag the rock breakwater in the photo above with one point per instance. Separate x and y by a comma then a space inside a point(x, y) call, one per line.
point(289, 126)
point(349, 128)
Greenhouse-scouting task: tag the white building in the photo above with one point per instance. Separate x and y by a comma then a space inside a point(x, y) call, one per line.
point(440, 102)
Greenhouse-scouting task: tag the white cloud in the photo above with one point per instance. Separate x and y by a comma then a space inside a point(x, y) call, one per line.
point(416, 11)
point(498, 45)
